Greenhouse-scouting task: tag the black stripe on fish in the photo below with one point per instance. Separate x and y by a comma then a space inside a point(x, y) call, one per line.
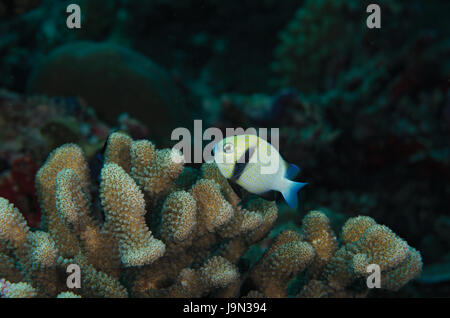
point(236, 188)
point(242, 162)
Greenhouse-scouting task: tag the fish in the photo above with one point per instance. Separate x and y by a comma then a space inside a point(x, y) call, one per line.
point(257, 166)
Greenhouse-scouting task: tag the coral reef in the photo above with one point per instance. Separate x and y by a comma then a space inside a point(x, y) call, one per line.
point(335, 271)
point(364, 112)
point(194, 217)
point(33, 126)
point(112, 78)
point(174, 231)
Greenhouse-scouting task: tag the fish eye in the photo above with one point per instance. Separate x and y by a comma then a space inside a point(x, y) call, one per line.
point(228, 148)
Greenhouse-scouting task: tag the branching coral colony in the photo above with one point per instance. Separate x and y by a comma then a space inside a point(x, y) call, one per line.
point(201, 229)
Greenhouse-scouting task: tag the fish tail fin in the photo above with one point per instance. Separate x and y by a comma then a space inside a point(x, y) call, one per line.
point(290, 191)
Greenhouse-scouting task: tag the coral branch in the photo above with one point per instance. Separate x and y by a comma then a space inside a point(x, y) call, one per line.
point(124, 207)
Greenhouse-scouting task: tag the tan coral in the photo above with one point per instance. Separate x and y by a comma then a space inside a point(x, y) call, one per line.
point(118, 150)
point(13, 227)
point(73, 208)
point(155, 171)
point(72, 201)
point(269, 212)
point(124, 207)
point(408, 270)
point(379, 245)
point(287, 256)
point(68, 156)
point(211, 172)
point(236, 247)
point(35, 251)
point(355, 227)
point(214, 210)
point(100, 284)
point(95, 283)
point(318, 233)
point(179, 216)
point(370, 243)
point(339, 271)
point(243, 221)
point(218, 272)
point(44, 253)
point(40, 263)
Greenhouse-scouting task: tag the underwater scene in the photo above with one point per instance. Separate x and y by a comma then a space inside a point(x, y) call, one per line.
point(224, 149)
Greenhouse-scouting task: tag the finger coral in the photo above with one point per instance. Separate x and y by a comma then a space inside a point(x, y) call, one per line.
point(162, 228)
point(333, 271)
point(165, 230)
point(319, 234)
point(124, 207)
point(364, 242)
point(287, 256)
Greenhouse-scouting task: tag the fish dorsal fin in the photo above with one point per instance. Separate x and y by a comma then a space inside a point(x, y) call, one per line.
point(242, 162)
point(291, 171)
